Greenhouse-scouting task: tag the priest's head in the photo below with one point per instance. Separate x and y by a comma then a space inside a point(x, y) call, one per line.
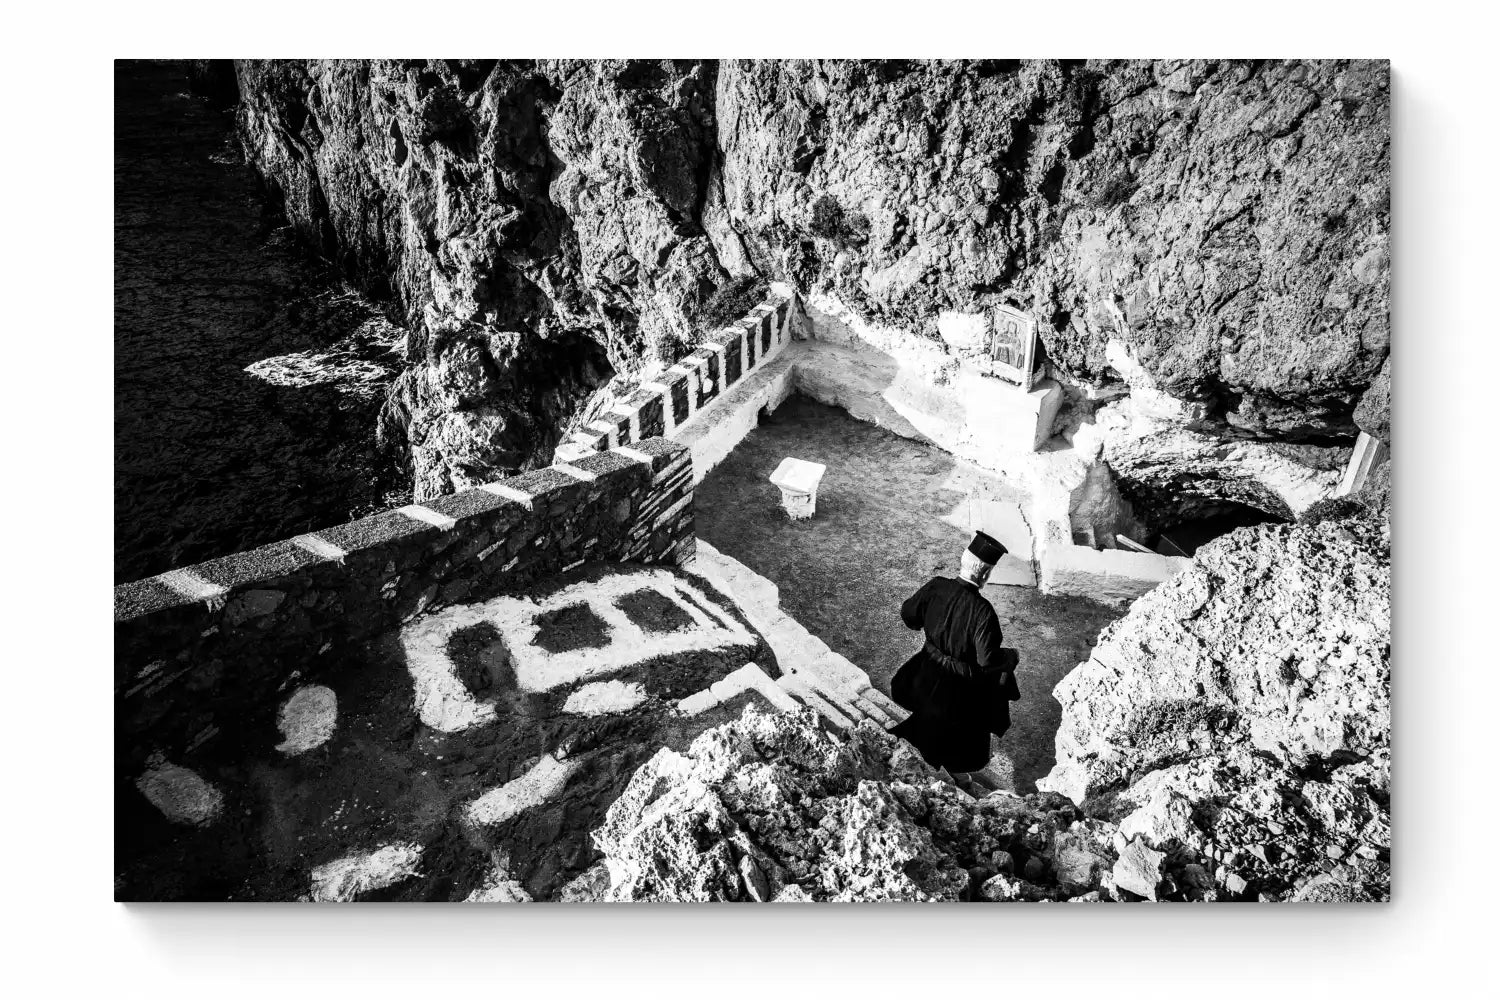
point(979, 558)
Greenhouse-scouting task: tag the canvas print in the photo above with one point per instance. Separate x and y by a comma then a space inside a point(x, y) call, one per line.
point(752, 480)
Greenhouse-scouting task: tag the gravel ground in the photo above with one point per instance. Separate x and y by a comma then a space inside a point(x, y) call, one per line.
point(879, 533)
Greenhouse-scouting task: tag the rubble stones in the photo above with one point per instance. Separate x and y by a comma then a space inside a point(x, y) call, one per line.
point(776, 798)
point(1139, 869)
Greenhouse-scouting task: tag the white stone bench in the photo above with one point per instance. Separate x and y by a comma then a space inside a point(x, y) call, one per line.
point(798, 482)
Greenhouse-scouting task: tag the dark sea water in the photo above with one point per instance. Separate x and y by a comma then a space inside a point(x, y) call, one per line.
point(211, 458)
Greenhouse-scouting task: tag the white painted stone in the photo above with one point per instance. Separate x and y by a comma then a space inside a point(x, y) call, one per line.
point(1012, 571)
point(1369, 453)
point(1147, 397)
point(499, 887)
point(548, 777)
point(428, 516)
point(605, 698)
point(884, 703)
point(343, 880)
point(307, 719)
point(182, 795)
point(572, 452)
point(442, 700)
point(750, 678)
point(1111, 576)
point(697, 702)
point(538, 670)
point(633, 455)
point(510, 493)
point(804, 692)
point(320, 547)
point(722, 422)
point(1003, 521)
point(193, 586)
point(963, 331)
point(445, 704)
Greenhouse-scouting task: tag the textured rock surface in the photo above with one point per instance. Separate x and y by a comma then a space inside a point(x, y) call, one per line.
point(543, 225)
point(1171, 472)
point(536, 223)
point(1240, 714)
point(1374, 411)
point(771, 806)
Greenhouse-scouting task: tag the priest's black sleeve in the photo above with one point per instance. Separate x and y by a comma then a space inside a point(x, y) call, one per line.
point(914, 609)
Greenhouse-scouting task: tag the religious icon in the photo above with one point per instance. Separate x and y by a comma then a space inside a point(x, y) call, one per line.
point(1012, 346)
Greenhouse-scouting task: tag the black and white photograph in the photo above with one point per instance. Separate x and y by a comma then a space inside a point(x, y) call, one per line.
point(1012, 479)
point(814, 480)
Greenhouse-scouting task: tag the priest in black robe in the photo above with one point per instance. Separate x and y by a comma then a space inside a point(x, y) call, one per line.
point(958, 688)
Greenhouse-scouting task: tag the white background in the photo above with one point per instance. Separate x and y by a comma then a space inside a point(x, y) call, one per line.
point(63, 933)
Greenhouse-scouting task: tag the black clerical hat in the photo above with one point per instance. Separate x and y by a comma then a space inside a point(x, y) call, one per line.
point(986, 548)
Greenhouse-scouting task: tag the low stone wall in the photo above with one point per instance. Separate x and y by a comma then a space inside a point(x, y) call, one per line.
point(204, 649)
point(685, 390)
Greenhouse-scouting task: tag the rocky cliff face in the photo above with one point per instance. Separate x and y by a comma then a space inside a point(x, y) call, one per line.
point(543, 225)
point(1228, 739)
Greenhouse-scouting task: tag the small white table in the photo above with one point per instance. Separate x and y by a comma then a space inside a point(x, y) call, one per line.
point(798, 482)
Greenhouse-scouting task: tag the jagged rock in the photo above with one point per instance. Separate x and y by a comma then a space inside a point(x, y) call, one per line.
point(1241, 711)
point(1171, 466)
point(1139, 869)
point(534, 221)
point(1373, 415)
point(772, 806)
point(592, 886)
point(543, 225)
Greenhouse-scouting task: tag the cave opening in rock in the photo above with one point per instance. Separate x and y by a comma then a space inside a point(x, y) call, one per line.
point(1180, 522)
point(1171, 515)
point(1185, 537)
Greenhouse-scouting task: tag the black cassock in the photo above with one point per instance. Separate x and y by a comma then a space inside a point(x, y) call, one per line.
point(960, 685)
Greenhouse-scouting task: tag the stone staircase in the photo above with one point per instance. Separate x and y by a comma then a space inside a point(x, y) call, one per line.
point(812, 674)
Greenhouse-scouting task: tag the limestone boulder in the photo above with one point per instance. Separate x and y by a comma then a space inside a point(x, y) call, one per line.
point(773, 807)
point(1238, 716)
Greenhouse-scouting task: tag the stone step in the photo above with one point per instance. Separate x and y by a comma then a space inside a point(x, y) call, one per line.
point(804, 692)
point(885, 704)
point(874, 712)
point(750, 677)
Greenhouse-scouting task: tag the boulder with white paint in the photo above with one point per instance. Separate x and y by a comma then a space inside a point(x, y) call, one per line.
point(307, 719)
point(182, 795)
point(345, 879)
